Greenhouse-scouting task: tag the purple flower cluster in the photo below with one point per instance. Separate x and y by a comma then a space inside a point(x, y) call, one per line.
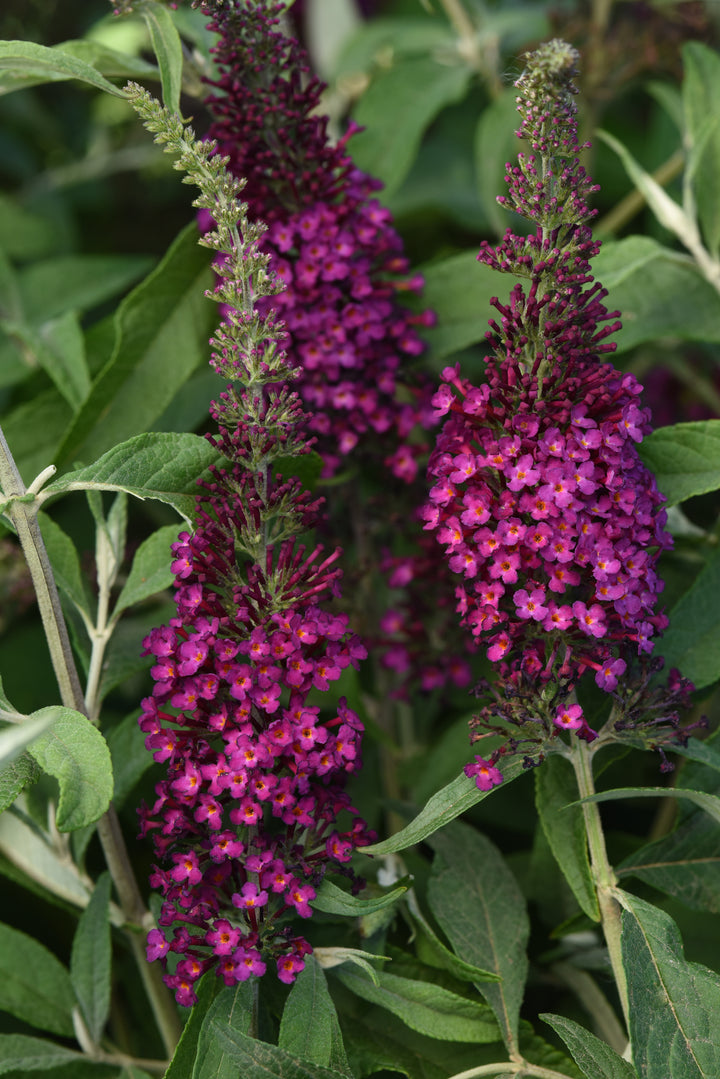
point(553, 523)
point(538, 494)
point(331, 242)
point(246, 821)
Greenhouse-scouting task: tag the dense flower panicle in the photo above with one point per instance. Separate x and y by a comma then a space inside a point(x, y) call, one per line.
point(331, 242)
point(250, 814)
point(546, 513)
point(246, 821)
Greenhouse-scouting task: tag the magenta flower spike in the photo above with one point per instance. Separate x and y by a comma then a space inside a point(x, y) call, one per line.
point(253, 808)
point(329, 239)
point(539, 498)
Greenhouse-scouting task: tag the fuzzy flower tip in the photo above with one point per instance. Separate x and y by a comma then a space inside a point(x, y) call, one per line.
point(331, 242)
point(538, 495)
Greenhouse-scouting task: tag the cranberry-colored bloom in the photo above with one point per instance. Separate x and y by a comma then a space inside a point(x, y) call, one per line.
point(232, 875)
point(548, 445)
point(485, 775)
point(331, 241)
point(256, 773)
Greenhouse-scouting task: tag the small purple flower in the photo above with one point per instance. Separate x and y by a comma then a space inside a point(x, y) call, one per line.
point(486, 776)
point(570, 718)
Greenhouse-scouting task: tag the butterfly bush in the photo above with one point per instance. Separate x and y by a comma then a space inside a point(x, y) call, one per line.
point(329, 240)
point(538, 495)
point(249, 816)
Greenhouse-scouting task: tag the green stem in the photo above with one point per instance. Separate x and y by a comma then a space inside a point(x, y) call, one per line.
point(24, 517)
point(603, 873)
point(483, 58)
point(123, 1060)
point(255, 1013)
point(586, 989)
point(100, 635)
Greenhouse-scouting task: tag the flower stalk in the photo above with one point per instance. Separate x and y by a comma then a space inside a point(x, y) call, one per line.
point(23, 514)
point(604, 878)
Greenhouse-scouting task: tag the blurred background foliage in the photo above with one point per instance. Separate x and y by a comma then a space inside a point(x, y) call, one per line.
point(89, 207)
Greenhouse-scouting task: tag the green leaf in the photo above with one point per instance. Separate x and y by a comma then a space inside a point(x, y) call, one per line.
point(55, 286)
point(564, 828)
point(377, 1041)
point(459, 290)
point(479, 906)
point(232, 1010)
point(62, 354)
point(669, 98)
point(167, 46)
point(11, 308)
point(674, 1005)
point(406, 36)
point(258, 1060)
point(183, 1061)
point(306, 468)
point(309, 1028)
point(661, 293)
point(443, 807)
point(91, 959)
point(430, 949)
point(156, 465)
point(596, 1058)
point(109, 61)
point(161, 334)
point(14, 740)
point(19, 59)
point(15, 777)
point(685, 458)
point(5, 701)
point(21, 1053)
point(701, 752)
point(684, 864)
point(709, 802)
point(34, 985)
point(692, 641)
point(130, 759)
point(701, 102)
point(34, 429)
point(77, 755)
point(65, 563)
point(669, 214)
point(426, 1008)
point(29, 853)
point(150, 571)
point(24, 233)
point(335, 957)
point(111, 538)
point(397, 107)
point(333, 900)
